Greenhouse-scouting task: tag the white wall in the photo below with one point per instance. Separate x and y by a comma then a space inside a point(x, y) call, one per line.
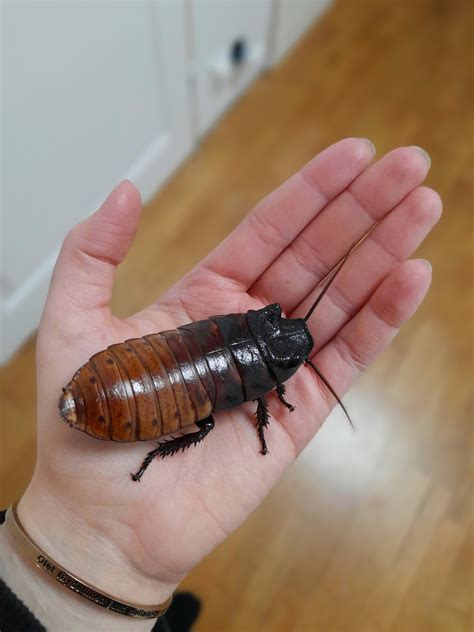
point(92, 92)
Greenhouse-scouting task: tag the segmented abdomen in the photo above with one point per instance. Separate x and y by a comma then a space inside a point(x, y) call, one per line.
point(140, 389)
point(147, 387)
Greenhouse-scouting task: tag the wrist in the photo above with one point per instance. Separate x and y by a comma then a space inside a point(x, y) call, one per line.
point(48, 603)
point(83, 543)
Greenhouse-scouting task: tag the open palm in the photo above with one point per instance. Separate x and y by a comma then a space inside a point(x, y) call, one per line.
point(187, 504)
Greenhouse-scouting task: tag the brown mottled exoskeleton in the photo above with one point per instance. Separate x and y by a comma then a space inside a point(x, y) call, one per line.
point(145, 388)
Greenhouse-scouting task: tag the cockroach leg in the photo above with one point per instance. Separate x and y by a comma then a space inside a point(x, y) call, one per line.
point(263, 418)
point(281, 390)
point(175, 444)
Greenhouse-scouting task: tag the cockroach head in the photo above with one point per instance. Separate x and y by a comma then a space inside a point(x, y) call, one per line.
point(285, 343)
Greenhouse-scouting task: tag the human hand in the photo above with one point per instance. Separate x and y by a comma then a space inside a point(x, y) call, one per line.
point(138, 541)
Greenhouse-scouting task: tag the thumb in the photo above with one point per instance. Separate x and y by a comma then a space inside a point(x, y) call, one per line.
point(84, 272)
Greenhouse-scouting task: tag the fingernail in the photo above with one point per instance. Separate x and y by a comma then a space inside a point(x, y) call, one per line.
point(424, 153)
point(117, 190)
point(371, 145)
point(427, 264)
point(118, 186)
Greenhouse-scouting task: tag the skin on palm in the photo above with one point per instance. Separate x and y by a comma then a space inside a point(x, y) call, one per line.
point(154, 533)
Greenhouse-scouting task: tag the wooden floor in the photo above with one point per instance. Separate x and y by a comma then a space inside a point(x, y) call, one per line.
point(370, 530)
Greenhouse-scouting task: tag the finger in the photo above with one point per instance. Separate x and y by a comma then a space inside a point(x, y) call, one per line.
point(329, 236)
point(84, 272)
point(278, 218)
point(391, 242)
point(373, 328)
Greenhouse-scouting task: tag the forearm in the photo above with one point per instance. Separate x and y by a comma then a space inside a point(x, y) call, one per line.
point(85, 554)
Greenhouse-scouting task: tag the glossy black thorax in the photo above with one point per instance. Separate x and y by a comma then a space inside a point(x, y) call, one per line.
point(248, 355)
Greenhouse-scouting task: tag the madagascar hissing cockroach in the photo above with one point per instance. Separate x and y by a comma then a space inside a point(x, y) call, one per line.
point(145, 388)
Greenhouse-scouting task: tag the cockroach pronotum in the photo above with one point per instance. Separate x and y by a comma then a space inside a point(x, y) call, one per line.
point(145, 388)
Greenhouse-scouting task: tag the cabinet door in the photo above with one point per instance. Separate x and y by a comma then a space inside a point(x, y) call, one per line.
point(229, 46)
point(93, 92)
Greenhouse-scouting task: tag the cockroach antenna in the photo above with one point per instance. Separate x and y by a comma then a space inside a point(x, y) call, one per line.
point(332, 275)
point(330, 389)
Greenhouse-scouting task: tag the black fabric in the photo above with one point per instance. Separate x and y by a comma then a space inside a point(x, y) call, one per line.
point(183, 612)
point(15, 616)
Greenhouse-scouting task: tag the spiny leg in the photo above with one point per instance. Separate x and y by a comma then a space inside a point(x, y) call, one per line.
point(281, 390)
point(175, 444)
point(263, 417)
